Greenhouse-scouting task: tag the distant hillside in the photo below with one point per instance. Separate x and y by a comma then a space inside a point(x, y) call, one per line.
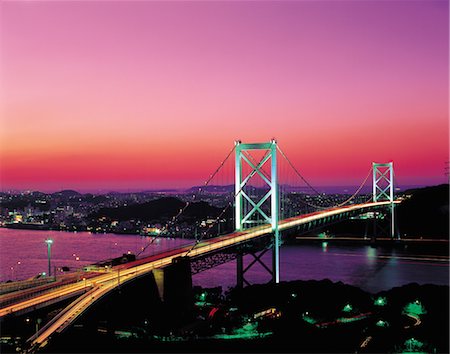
point(159, 210)
point(211, 189)
point(426, 213)
point(66, 193)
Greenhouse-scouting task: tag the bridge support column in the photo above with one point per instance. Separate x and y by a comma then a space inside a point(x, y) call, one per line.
point(276, 257)
point(383, 190)
point(174, 284)
point(249, 212)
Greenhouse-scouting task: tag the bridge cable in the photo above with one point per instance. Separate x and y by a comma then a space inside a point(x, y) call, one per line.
point(163, 229)
point(212, 175)
point(296, 171)
point(315, 190)
point(181, 211)
point(224, 209)
point(357, 191)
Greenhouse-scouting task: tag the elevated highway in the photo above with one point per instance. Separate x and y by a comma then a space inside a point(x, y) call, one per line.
point(91, 290)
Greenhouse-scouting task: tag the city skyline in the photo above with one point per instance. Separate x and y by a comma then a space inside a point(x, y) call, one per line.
point(151, 95)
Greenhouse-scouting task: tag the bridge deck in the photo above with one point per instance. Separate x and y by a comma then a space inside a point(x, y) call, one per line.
point(102, 284)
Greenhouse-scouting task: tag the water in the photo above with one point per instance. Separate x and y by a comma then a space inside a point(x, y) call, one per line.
point(371, 268)
point(23, 253)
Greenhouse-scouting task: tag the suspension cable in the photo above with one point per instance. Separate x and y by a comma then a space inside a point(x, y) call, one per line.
point(223, 210)
point(344, 202)
point(145, 247)
point(217, 219)
point(164, 228)
point(181, 211)
point(310, 186)
point(296, 171)
point(212, 175)
point(357, 191)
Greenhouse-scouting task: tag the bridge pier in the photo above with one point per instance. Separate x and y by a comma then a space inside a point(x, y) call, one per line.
point(174, 284)
point(264, 209)
point(276, 257)
point(383, 190)
point(383, 224)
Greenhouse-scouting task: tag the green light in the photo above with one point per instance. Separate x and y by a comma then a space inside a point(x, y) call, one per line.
point(168, 338)
point(414, 308)
point(308, 318)
point(381, 301)
point(201, 299)
point(382, 323)
point(347, 308)
point(371, 252)
point(322, 235)
point(350, 319)
point(243, 336)
point(413, 345)
point(294, 295)
point(247, 331)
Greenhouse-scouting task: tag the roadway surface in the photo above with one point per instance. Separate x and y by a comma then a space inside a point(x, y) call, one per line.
point(96, 287)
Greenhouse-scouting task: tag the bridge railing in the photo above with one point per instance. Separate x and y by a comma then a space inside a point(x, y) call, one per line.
point(23, 284)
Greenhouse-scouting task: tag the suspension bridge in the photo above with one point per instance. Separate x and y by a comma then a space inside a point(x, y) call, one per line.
point(263, 209)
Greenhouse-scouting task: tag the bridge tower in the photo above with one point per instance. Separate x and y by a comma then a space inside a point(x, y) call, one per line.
point(383, 188)
point(247, 209)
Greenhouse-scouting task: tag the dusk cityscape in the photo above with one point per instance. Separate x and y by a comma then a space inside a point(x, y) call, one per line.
point(224, 176)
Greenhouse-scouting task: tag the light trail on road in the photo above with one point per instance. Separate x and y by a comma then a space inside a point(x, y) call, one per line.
point(104, 283)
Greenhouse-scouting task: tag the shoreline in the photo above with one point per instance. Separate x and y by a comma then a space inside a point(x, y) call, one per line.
point(296, 239)
point(369, 241)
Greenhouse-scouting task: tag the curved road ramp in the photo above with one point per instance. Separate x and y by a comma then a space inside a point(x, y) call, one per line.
point(96, 287)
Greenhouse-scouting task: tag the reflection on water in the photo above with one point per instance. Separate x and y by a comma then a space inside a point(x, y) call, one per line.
point(73, 250)
point(23, 254)
point(371, 268)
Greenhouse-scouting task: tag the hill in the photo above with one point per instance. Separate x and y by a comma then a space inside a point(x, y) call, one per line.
point(159, 209)
point(425, 213)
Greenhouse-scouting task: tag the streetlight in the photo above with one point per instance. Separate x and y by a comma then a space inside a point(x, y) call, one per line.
point(49, 247)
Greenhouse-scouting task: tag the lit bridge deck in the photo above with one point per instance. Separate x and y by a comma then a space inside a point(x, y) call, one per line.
point(101, 285)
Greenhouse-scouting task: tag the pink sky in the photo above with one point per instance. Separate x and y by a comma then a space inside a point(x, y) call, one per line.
point(126, 95)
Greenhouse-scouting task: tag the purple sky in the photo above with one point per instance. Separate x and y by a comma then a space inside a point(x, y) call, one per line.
point(142, 94)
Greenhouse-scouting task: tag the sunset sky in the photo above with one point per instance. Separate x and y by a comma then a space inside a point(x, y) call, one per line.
point(118, 95)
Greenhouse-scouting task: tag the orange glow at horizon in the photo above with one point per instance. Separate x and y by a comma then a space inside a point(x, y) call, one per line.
point(141, 96)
